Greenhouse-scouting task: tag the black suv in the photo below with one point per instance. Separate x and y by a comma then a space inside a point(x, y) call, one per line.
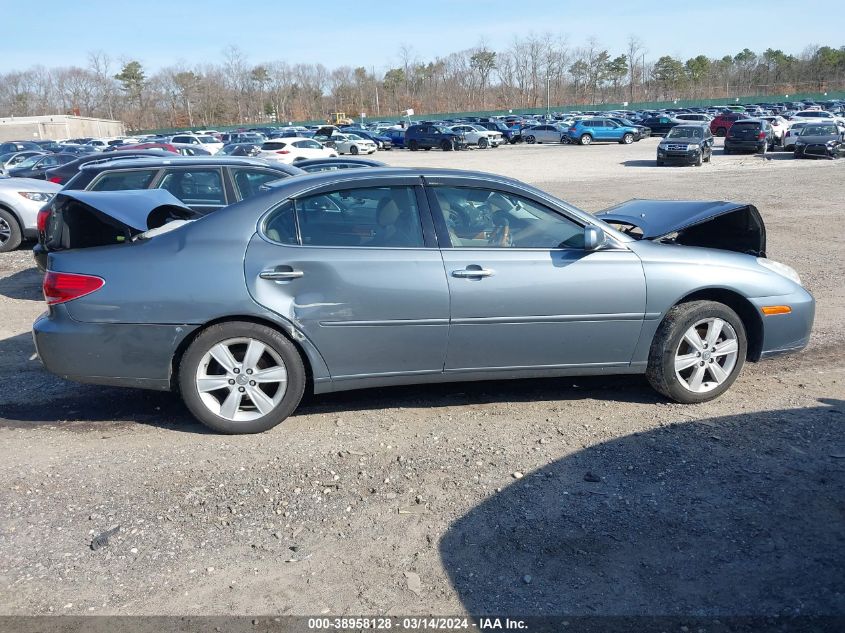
point(750, 135)
point(204, 184)
point(428, 135)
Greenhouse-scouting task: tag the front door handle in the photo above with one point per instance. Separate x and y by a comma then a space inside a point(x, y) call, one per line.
point(281, 275)
point(472, 272)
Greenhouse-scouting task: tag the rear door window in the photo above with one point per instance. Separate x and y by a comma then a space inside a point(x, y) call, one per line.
point(199, 187)
point(123, 180)
point(249, 180)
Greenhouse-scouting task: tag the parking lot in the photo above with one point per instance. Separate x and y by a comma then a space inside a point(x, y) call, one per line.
point(578, 496)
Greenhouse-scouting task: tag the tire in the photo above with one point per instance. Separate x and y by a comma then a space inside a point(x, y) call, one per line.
point(514, 140)
point(765, 149)
point(446, 146)
point(238, 337)
point(726, 151)
point(721, 131)
point(671, 348)
point(353, 150)
point(585, 139)
point(482, 143)
point(413, 145)
point(563, 139)
point(530, 139)
point(699, 160)
point(627, 139)
point(10, 232)
point(660, 163)
point(709, 156)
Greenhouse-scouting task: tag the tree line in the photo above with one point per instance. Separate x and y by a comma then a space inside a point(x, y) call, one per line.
point(532, 72)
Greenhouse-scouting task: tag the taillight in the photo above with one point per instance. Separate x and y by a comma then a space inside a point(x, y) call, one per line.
point(56, 179)
point(761, 135)
point(283, 151)
point(61, 287)
point(42, 219)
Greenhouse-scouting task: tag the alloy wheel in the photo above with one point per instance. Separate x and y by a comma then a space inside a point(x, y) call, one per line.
point(5, 231)
point(706, 355)
point(241, 379)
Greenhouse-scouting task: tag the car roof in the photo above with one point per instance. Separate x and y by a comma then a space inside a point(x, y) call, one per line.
point(180, 161)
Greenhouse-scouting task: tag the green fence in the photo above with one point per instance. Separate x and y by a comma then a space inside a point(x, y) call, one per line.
point(642, 105)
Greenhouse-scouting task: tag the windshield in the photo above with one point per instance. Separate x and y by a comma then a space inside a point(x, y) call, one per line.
point(354, 137)
point(685, 132)
point(819, 130)
point(207, 139)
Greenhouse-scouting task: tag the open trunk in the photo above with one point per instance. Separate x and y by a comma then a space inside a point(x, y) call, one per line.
point(729, 226)
point(83, 219)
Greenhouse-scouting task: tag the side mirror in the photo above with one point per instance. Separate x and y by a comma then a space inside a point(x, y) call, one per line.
point(594, 238)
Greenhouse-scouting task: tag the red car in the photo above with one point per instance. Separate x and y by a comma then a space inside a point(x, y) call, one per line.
point(165, 146)
point(722, 123)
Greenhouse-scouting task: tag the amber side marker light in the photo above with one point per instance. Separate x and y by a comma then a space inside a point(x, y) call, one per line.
point(770, 310)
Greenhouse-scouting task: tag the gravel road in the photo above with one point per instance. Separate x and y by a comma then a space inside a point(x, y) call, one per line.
point(566, 496)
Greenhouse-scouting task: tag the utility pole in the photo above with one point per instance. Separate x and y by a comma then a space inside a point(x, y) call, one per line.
point(375, 82)
point(548, 95)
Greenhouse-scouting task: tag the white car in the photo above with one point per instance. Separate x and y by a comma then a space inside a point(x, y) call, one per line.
point(477, 135)
point(101, 143)
point(20, 201)
point(813, 115)
point(779, 126)
point(294, 148)
point(208, 143)
point(694, 117)
point(13, 159)
point(353, 144)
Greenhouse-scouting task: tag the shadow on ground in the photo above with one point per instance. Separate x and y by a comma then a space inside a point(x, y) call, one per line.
point(25, 284)
point(738, 515)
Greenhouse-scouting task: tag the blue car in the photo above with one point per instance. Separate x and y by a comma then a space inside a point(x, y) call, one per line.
point(396, 136)
point(586, 131)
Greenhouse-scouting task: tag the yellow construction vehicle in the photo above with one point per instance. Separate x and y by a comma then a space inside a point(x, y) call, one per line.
point(339, 118)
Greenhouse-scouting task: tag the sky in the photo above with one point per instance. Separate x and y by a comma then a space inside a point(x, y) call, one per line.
point(369, 33)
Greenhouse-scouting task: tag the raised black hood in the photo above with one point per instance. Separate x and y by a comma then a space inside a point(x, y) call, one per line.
point(730, 226)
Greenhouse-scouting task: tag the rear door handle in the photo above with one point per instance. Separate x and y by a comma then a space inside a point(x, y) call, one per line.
point(472, 272)
point(281, 275)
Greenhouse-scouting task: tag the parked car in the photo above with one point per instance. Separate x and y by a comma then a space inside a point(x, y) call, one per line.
point(37, 166)
point(509, 134)
point(291, 150)
point(63, 173)
point(585, 131)
point(49, 146)
point(660, 125)
point(691, 117)
point(211, 144)
point(813, 115)
point(191, 149)
point(331, 164)
point(428, 135)
point(20, 200)
point(686, 144)
point(642, 130)
point(167, 147)
point(546, 133)
point(779, 127)
point(322, 283)
point(396, 136)
point(382, 142)
point(11, 160)
point(723, 122)
point(754, 135)
point(353, 144)
point(474, 134)
point(791, 134)
point(19, 146)
point(240, 149)
point(820, 140)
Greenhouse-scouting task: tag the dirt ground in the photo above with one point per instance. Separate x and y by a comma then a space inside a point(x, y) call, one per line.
point(449, 499)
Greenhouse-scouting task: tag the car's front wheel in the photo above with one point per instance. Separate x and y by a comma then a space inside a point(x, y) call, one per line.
point(482, 143)
point(241, 377)
point(698, 352)
point(353, 150)
point(627, 139)
point(10, 232)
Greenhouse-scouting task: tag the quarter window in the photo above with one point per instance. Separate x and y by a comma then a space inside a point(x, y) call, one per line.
point(482, 218)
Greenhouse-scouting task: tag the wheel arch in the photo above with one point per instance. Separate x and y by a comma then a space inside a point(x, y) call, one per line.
point(179, 353)
point(751, 319)
point(14, 214)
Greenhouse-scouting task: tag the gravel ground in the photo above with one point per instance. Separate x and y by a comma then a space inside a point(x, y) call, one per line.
point(567, 496)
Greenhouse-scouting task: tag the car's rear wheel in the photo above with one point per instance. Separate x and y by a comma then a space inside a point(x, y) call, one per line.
point(10, 232)
point(446, 146)
point(698, 352)
point(627, 139)
point(482, 143)
point(720, 131)
point(585, 139)
point(353, 150)
point(241, 377)
point(413, 146)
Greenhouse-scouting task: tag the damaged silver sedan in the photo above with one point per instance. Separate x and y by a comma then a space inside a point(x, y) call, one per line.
point(332, 281)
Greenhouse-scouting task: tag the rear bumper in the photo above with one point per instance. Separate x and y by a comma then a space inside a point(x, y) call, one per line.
point(783, 333)
point(745, 146)
point(124, 355)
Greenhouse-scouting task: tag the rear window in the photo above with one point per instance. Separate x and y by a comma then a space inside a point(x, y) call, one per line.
point(123, 180)
point(270, 145)
point(746, 126)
